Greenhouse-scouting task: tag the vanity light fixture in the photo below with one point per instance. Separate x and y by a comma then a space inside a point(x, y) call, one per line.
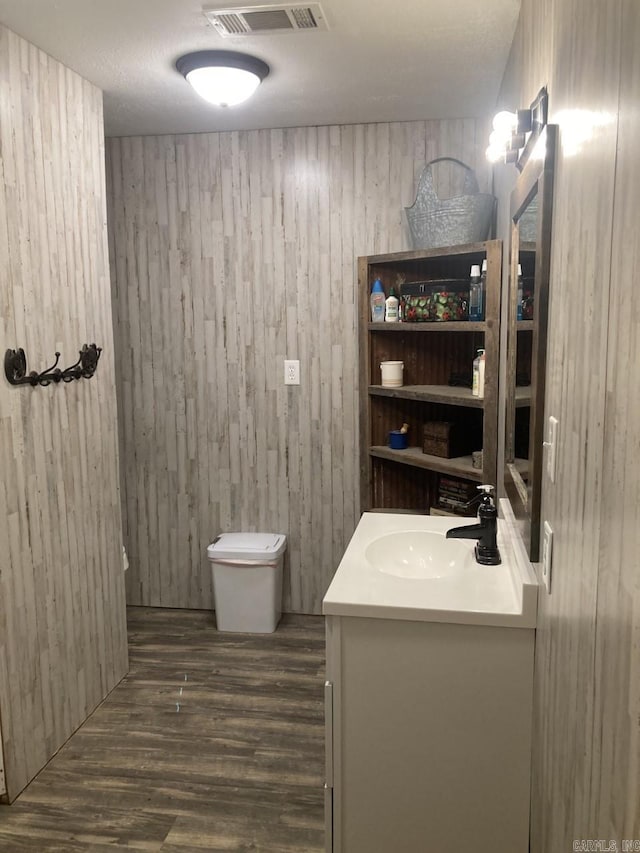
point(223, 77)
point(513, 132)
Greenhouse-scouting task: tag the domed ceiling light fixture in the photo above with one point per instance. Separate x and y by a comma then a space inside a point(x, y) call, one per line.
point(223, 77)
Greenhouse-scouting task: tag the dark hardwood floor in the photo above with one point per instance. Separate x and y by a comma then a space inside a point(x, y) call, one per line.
point(212, 742)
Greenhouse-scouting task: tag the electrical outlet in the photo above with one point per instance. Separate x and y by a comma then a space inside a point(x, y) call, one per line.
point(547, 550)
point(291, 372)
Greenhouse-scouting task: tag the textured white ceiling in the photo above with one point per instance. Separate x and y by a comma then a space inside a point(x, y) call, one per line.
point(395, 60)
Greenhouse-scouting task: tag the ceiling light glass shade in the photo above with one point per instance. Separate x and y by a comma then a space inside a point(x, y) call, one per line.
point(224, 87)
point(222, 77)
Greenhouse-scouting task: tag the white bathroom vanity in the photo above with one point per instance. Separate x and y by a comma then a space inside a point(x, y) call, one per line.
point(429, 692)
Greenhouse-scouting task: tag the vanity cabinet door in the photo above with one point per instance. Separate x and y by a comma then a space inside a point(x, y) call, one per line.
point(328, 784)
point(431, 736)
point(3, 787)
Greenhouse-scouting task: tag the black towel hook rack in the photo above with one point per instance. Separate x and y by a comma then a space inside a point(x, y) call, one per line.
point(15, 367)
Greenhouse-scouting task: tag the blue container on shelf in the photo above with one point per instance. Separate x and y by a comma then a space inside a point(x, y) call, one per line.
point(397, 440)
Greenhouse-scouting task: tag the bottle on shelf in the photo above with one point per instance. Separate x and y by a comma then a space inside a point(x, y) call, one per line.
point(391, 313)
point(477, 388)
point(377, 302)
point(476, 295)
point(483, 283)
point(520, 293)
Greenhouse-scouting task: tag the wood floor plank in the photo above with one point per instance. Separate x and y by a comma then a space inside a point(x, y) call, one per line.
point(230, 832)
point(212, 742)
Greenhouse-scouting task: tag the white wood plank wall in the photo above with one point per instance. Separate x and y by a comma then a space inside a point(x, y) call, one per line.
point(586, 751)
point(62, 618)
point(229, 253)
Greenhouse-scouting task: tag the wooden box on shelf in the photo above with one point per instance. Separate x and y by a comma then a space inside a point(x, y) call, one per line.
point(447, 439)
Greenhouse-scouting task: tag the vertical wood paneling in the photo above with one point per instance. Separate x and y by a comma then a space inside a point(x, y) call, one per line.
point(615, 797)
point(231, 252)
point(586, 754)
point(62, 619)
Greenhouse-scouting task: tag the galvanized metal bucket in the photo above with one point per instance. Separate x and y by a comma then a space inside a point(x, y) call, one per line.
point(435, 222)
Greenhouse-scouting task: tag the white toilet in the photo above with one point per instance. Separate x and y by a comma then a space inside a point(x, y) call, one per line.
point(247, 580)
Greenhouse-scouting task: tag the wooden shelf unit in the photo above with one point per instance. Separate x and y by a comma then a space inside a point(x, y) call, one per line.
point(431, 352)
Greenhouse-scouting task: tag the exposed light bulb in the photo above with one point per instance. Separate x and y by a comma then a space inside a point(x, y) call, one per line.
point(498, 144)
point(494, 154)
point(505, 122)
point(497, 139)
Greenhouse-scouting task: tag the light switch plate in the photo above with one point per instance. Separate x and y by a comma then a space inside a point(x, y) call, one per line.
point(552, 447)
point(547, 550)
point(291, 372)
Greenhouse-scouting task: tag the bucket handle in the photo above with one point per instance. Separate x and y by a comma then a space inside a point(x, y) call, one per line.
point(425, 184)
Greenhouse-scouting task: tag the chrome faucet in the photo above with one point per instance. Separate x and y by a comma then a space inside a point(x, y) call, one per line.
point(485, 531)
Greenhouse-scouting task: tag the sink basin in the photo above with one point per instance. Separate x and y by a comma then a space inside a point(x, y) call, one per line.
point(419, 554)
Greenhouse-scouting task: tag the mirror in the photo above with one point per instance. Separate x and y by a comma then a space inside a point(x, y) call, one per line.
point(528, 307)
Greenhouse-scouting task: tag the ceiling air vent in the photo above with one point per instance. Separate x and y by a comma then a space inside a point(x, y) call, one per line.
point(266, 20)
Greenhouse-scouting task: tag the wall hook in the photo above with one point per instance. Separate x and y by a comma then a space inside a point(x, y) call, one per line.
point(51, 374)
point(15, 367)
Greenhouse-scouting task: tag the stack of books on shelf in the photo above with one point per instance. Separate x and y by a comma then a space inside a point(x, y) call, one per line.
point(454, 495)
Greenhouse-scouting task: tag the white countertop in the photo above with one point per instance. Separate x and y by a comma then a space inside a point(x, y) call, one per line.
point(504, 595)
